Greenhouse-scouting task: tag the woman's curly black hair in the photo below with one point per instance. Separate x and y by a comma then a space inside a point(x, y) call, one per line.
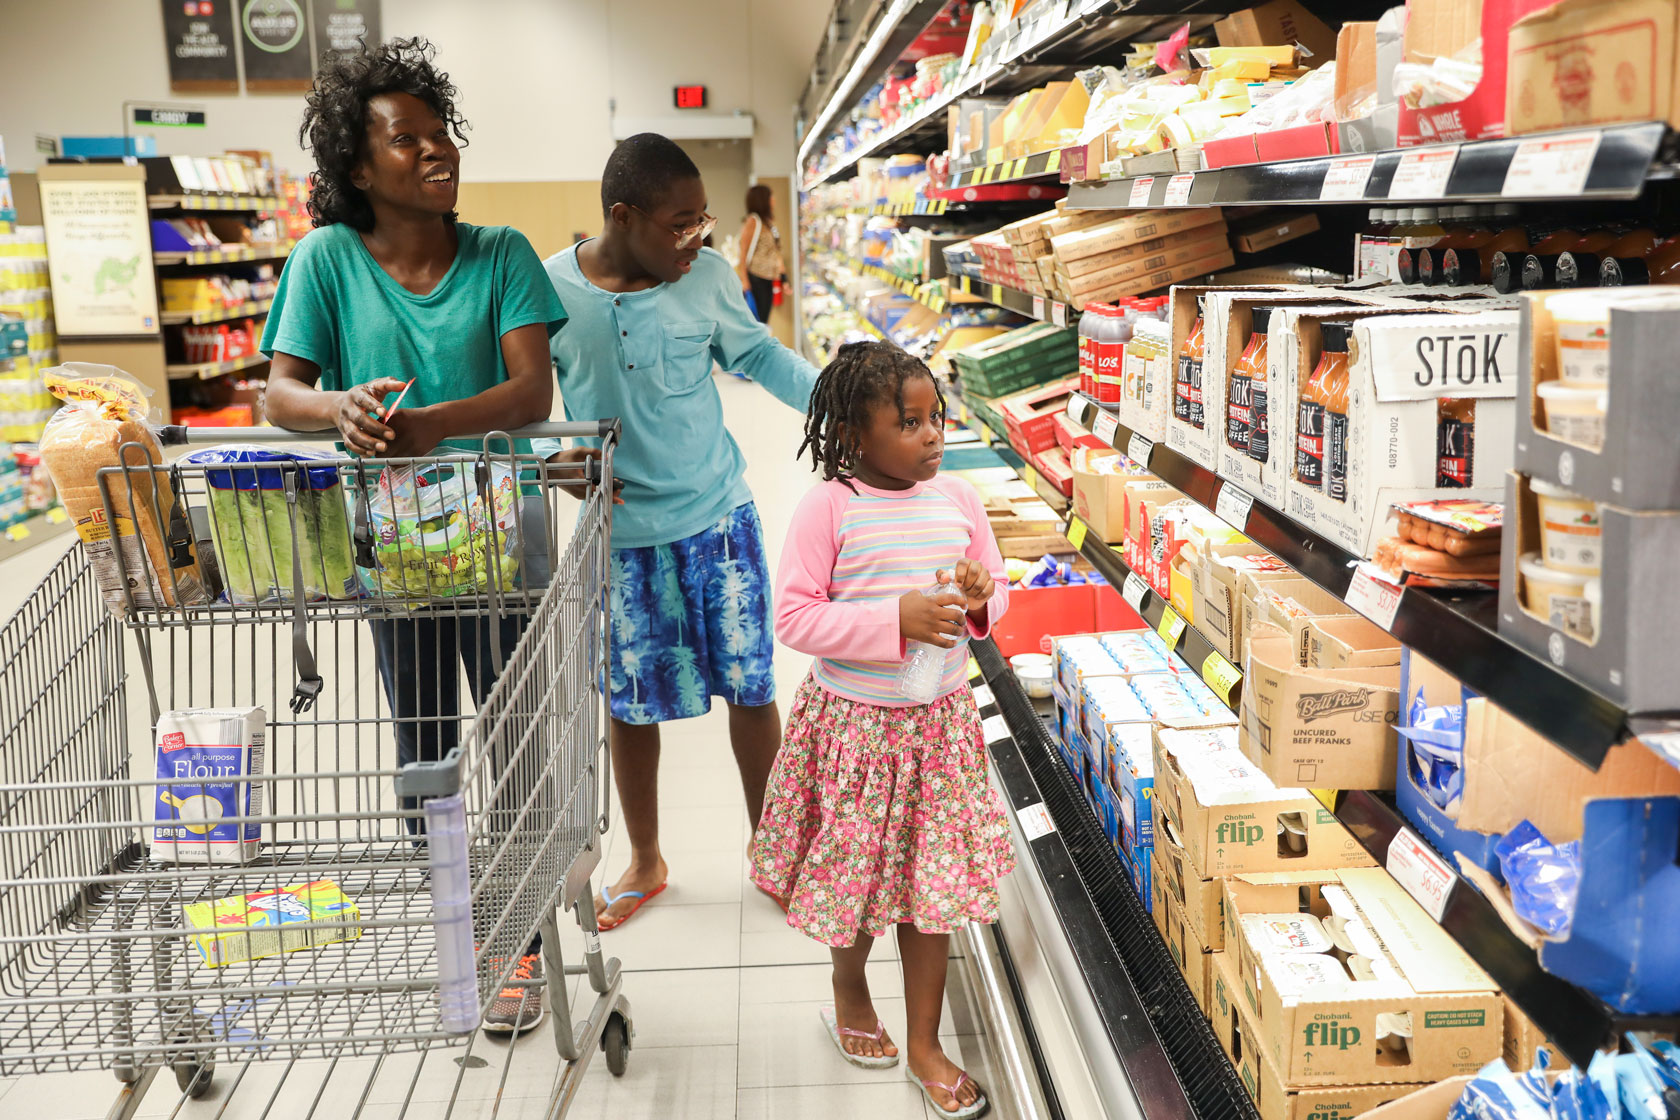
point(335, 119)
point(862, 374)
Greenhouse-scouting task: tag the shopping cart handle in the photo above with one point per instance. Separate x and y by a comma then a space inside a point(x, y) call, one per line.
point(180, 435)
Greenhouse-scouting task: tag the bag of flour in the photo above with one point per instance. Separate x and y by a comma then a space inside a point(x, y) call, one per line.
point(197, 806)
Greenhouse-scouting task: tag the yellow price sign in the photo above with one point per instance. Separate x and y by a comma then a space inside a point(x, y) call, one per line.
point(1171, 627)
point(17, 532)
point(997, 293)
point(1054, 164)
point(57, 516)
point(944, 203)
point(1019, 169)
point(973, 669)
point(1326, 797)
point(1030, 477)
point(984, 433)
point(1076, 533)
point(1220, 675)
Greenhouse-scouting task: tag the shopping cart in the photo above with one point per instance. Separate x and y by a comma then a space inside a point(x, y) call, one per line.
point(382, 907)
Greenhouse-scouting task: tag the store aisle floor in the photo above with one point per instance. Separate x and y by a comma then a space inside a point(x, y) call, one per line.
point(725, 996)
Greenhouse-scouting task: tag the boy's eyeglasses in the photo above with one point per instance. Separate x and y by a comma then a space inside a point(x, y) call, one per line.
point(685, 235)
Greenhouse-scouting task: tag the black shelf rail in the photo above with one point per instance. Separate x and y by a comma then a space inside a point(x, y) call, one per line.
point(990, 172)
point(1456, 630)
point(1163, 1042)
point(1042, 308)
point(1625, 156)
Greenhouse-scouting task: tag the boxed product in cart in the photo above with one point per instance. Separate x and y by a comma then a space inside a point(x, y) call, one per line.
point(1317, 727)
point(1392, 407)
point(1360, 985)
point(1596, 399)
point(268, 923)
point(1232, 818)
point(1613, 628)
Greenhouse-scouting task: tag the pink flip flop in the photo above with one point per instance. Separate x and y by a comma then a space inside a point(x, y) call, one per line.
point(978, 1108)
point(835, 1031)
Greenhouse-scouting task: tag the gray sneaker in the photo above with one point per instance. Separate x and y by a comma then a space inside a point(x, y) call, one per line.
point(519, 1006)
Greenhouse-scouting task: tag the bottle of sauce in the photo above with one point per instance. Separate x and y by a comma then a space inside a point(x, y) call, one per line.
point(1580, 269)
point(1320, 410)
point(1260, 424)
point(1371, 259)
point(1239, 394)
point(1187, 385)
point(1455, 442)
point(1463, 267)
point(1462, 232)
point(1659, 266)
point(1540, 267)
point(1147, 346)
point(1425, 230)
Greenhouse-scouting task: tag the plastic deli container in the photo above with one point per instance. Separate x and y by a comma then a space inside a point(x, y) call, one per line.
point(1561, 598)
point(1582, 320)
point(1036, 673)
point(1574, 413)
point(1569, 530)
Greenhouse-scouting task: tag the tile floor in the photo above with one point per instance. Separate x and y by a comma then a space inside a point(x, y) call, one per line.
point(725, 997)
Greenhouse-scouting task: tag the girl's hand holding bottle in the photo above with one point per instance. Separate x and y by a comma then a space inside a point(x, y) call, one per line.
point(974, 579)
point(934, 619)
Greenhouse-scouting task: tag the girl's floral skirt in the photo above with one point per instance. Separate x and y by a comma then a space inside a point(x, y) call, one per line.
point(878, 816)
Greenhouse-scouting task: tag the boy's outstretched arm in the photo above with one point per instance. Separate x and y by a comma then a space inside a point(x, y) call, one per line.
point(744, 344)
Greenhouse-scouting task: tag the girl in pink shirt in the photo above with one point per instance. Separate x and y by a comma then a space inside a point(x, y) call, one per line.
point(879, 813)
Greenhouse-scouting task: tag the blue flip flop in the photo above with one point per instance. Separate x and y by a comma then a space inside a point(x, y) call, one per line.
point(604, 922)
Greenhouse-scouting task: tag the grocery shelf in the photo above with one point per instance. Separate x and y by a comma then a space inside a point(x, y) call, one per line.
point(1042, 308)
point(228, 254)
point(1456, 630)
point(921, 208)
point(194, 201)
point(1574, 1020)
point(1163, 1042)
point(1616, 161)
point(216, 315)
point(32, 531)
point(187, 371)
point(992, 168)
point(1183, 639)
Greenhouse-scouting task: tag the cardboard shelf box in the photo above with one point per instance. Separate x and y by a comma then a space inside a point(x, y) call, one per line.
point(1191, 957)
point(1318, 727)
point(1231, 826)
point(1551, 82)
point(1328, 1033)
point(1201, 899)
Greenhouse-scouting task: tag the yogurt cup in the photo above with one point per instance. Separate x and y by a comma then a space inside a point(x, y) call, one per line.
point(1288, 933)
point(1561, 598)
point(1569, 529)
point(1574, 413)
point(1582, 321)
point(1036, 672)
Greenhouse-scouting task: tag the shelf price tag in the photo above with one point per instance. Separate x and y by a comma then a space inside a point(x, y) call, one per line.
point(1030, 477)
point(1077, 406)
point(1076, 533)
point(1020, 168)
point(1550, 166)
point(1423, 172)
point(973, 669)
point(1038, 308)
point(17, 533)
point(1139, 199)
point(1178, 189)
point(1326, 797)
point(1035, 821)
point(1058, 312)
point(1220, 675)
point(1054, 164)
point(1139, 448)
point(983, 697)
point(1105, 427)
point(984, 433)
point(997, 294)
point(1346, 177)
point(1232, 505)
point(1171, 627)
point(1376, 599)
point(57, 516)
point(993, 729)
point(1134, 591)
point(1423, 873)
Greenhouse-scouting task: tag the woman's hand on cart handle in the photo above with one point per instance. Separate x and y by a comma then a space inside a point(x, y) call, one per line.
point(355, 421)
point(578, 486)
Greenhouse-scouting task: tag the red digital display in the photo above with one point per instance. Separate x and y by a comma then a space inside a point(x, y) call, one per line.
point(691, 97)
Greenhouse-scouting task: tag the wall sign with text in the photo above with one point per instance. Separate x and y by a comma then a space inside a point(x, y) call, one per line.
point(99, 240)
point(274, 38)
point(199, 37)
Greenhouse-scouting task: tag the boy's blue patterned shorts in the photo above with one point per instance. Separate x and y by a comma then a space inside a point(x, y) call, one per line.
point(691, 620)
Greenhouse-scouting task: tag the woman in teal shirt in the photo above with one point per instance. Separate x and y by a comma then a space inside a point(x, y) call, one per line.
point(389, 286)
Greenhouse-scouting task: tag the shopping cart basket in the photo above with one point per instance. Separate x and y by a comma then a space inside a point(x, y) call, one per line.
point(362, 907)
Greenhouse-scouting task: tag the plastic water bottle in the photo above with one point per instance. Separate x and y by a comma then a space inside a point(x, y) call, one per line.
point(923, 667)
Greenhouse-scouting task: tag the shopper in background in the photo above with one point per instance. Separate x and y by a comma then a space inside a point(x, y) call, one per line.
point(391, 286)
point(760, 265)
point(651, 311)
point(879, 812)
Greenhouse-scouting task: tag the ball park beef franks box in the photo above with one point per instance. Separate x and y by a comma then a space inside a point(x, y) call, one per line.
point(1232, 819)
point(1415, 406)
point(1416, 1008)
point(1317, 727)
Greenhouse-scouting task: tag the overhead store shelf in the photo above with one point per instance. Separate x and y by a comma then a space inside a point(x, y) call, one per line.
point(227, 254)
point(1604, 163)
point(1458, 631)
point(216, 315)
point(1024, 303)
point(186, 371)
point(1024, 169)
point(212, 202)
point(1165, 1045)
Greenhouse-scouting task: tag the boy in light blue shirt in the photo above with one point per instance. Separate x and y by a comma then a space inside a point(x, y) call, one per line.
point(649, 311)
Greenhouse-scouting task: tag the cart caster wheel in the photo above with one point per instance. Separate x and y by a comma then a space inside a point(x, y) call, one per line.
point(194, 1079)
point(615, 1040)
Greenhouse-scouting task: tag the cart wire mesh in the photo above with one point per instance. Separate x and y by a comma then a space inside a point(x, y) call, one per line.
point(393, 899)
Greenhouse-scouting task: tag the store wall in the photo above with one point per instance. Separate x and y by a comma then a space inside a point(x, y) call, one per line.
point(538, 78)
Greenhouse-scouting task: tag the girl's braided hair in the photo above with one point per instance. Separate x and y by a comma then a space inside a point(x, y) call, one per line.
point(861, 374)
